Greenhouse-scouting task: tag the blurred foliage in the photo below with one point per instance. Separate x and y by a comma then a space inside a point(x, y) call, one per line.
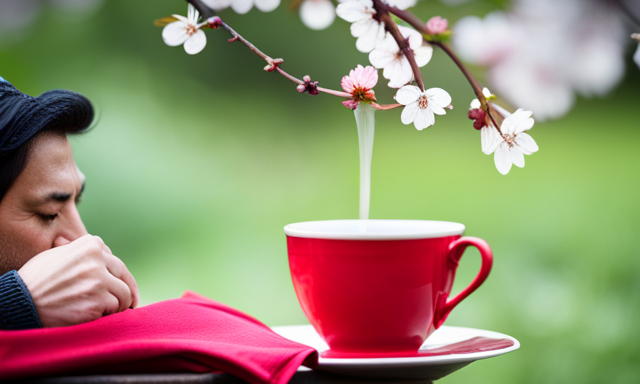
point(198, 162)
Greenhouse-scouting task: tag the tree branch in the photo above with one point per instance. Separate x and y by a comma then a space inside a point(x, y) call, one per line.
point(382, 12)
point(419, 25)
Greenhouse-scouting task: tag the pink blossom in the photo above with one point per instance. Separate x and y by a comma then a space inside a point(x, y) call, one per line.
point(359, 84)
point(437, 25)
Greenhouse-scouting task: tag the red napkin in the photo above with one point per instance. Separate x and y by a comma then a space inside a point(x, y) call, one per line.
point(190, 334)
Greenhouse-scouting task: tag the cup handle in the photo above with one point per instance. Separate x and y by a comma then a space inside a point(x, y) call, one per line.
point(456, 249)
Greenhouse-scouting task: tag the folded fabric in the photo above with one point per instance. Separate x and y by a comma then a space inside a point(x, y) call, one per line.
point(190, 334)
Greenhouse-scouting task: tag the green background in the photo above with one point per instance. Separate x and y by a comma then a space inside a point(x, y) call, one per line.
point(197, 163)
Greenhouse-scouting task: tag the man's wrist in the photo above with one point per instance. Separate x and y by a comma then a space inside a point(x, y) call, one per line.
point(17, 310)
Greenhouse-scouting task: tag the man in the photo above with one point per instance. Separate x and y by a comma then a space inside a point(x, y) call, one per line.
point(52, 272)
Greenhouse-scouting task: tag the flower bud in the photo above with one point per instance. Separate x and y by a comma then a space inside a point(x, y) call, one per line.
point(478, 116)
point(437, 25)
point(215, 22)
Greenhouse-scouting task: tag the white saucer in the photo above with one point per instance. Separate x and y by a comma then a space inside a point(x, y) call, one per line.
point(418, 367)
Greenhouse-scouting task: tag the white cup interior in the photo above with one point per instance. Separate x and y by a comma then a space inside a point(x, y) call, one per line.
point(374, 229)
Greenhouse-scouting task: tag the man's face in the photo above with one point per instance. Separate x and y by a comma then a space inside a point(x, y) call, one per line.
point(39, 211)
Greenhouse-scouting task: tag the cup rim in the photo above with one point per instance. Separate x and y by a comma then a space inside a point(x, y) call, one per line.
point(374, 229)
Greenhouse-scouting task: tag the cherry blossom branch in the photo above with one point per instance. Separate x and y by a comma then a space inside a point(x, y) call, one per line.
point(272, 64)
point(382, 12)
point(420, 26)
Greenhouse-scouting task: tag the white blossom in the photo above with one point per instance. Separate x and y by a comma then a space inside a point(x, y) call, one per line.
point(317, 14)
point(396, 65)
point(243, 6)
point(515, 142)
point(368, 31)
point(186, 31)
point(542, 52)
point(420, 106)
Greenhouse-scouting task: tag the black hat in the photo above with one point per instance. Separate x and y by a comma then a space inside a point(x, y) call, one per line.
point(23, 116)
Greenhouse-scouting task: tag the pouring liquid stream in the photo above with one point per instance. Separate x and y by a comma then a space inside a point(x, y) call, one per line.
point(365, 122)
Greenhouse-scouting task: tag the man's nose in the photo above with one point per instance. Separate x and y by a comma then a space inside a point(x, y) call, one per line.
point(71, 227)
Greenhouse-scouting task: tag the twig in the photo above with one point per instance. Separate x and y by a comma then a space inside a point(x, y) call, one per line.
point(382, 13)
point(419, 25)
point(272, 64)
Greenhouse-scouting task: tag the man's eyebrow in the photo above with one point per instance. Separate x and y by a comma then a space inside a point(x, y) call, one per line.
point(61, 197)
point(58, 196)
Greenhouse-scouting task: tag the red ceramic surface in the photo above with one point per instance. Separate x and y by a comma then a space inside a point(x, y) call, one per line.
point(379, 295)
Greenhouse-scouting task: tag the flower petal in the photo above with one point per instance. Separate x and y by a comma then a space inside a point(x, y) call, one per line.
point(423, 55)
point(518, 122)
point(402, 4)
point(524, 125)
point(408, 94)
point(380, 58)
point(369, 39)
point(439, 96)
point(267, 5)
point(196, 42)
point(502, 159)
point(241, 6)
point(193, 14)
point(362, 27)
point(424, 119)
point(517, 157)
point(369, 77)
point(347, 84)
point(182, 18)
point(489, 139)
point(475, 104)
point(399, 73)
point(217, 5)
point(351, 104)
point(409, 113)
point(436, 109)
point(175, 33)
point(352, 11)
point(526, 143)
point(317, 14)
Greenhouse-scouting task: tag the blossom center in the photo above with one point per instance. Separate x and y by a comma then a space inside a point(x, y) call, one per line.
point(510, 140)
point(191, 29)
point(423, 102)
point(363, 94)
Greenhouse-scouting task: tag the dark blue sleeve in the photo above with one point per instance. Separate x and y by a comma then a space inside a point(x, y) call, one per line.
point(17, 310)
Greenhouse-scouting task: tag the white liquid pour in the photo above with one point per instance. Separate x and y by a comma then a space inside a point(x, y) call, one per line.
point(366, 126)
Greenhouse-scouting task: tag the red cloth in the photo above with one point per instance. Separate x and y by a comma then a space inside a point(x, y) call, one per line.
point(192, 334)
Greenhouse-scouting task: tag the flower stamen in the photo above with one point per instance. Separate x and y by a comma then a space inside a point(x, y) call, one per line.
point(423, 102)
point(191, 29)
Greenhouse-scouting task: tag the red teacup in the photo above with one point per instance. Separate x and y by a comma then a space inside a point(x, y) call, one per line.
point(378, 286)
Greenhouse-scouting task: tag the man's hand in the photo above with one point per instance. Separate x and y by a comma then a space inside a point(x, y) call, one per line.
point(78, 282)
